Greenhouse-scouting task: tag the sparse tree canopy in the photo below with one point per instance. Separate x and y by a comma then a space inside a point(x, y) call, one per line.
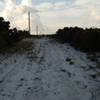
point(9, 36)
point(85, 39)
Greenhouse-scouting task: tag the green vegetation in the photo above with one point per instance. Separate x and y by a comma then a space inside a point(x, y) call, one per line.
point(10, 36)
point(92, 57)
point(71, 62)
point(82, 39)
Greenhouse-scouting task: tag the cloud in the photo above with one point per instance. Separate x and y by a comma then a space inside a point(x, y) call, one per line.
point(82, 2)
point(52, 15)
point(27, 2)
point(1, 5)
point(60, 5)
point(76, 13)
point(46, 6)
point(1, 2)
point(18, 14)
point(95, 14)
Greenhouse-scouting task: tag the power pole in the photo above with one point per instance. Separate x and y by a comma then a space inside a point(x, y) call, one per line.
point(29, 26)
point(37, 29)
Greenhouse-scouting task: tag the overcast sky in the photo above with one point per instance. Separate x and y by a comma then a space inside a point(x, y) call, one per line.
point(51, 14)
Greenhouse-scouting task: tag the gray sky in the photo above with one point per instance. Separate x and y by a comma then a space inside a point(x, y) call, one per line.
point(52, 14)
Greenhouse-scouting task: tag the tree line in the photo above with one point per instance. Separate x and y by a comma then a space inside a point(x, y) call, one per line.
point(84, 39)
point(9, 36)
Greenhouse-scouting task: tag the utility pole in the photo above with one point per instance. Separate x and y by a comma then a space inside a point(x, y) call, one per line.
point(29, 26)
point(37, 29)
